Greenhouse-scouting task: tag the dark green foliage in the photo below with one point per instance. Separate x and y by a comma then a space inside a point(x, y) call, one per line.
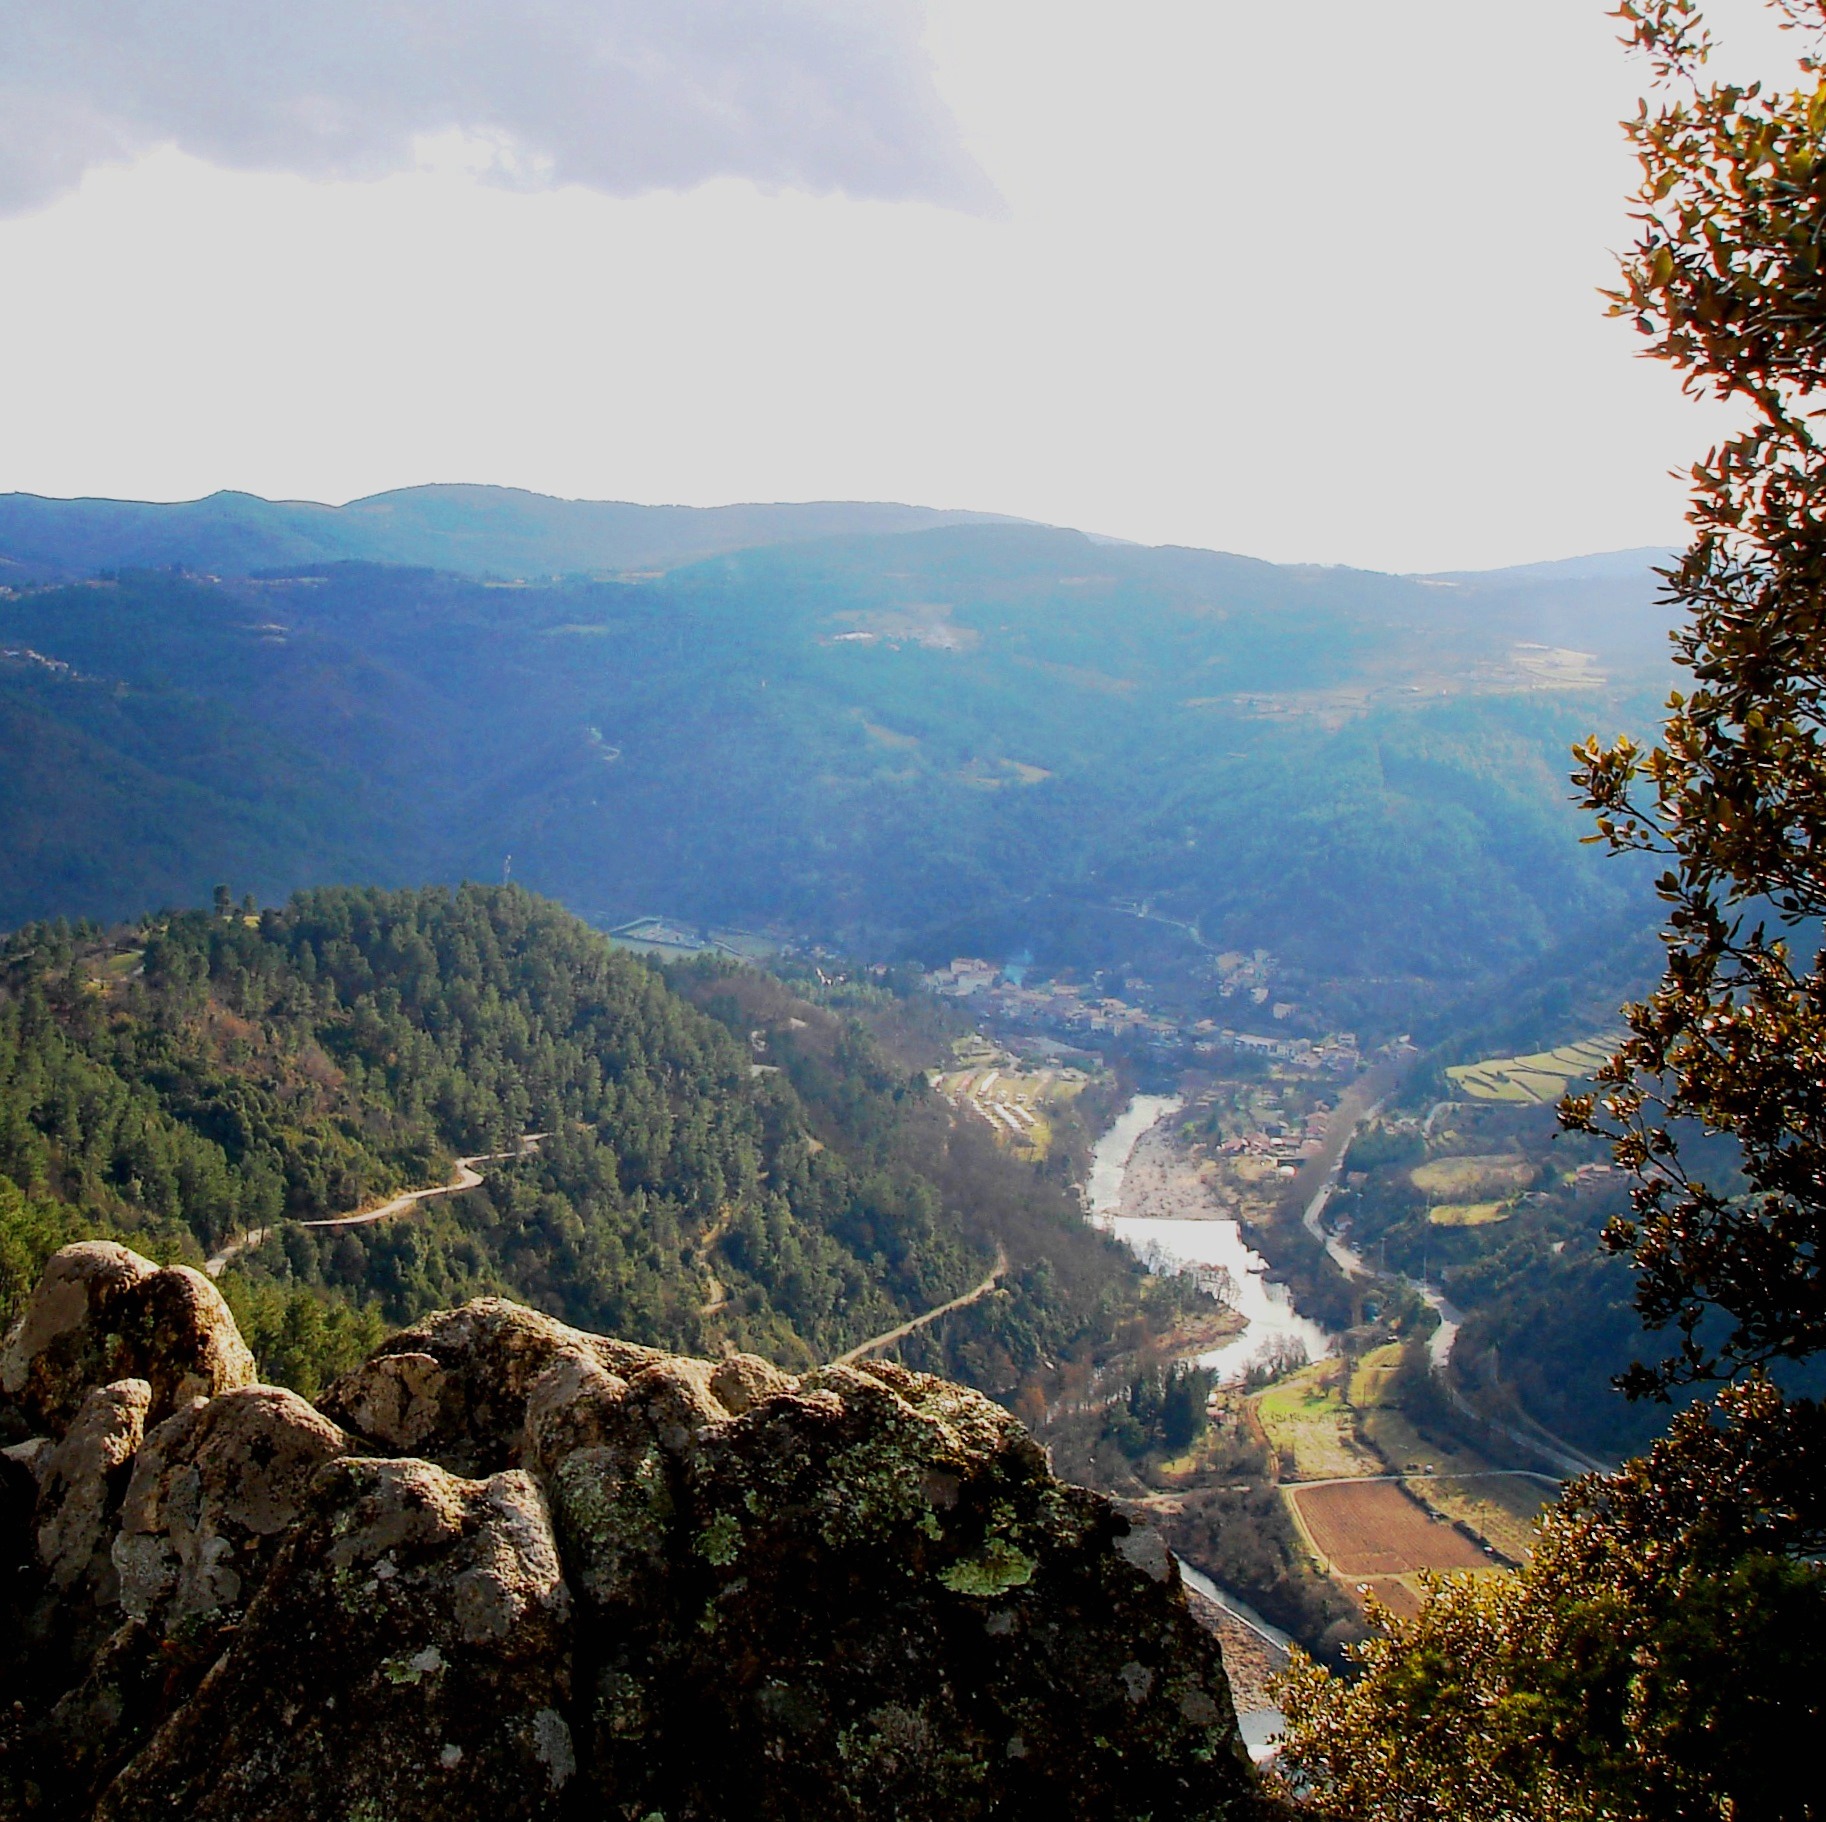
point(1164, 1412)
point(1660, 1657)
point(1548, 1312)
point(1724, 281)
point(211, 1074)
point(921, 1174)
point(302, 1338)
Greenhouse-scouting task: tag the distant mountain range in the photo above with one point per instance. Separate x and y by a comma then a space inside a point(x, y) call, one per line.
point(498, 532)
point(912, 731)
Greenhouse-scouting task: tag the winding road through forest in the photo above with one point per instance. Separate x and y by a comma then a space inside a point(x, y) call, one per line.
point(919, 1322)
point(465, 1176)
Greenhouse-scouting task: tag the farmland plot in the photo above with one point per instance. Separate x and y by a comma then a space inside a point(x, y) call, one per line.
point(1372, 1528)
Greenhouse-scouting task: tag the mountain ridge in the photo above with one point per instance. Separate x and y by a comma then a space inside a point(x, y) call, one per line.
point(895, 739)
point(415, 526)
point(462, 528)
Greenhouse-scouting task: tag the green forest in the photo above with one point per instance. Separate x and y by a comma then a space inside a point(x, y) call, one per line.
point(205, 1075)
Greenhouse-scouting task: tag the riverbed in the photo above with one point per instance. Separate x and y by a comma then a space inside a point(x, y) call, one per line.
point(1167, 1217)
point(1110, 1159)
point(1137, 1175)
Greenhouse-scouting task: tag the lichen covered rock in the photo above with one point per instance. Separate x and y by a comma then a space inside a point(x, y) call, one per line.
point(866, 1596)
point(510, 1569)
point(102, 1313)
point(80, 1487)
point(454, 1387)
point(215, 1490)
point(408, 1657)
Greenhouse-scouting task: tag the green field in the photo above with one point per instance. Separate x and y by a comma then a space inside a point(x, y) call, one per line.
point(1541, 1077)
point(1472, 1179)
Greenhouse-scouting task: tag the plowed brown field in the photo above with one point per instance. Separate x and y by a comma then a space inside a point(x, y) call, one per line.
point(1375, 1529)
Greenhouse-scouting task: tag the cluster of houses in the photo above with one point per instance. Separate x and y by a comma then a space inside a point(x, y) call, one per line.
point(1280, 1143)
point(1066, 1007)
point(1588, 1174)
point(1336, 1052)
point(1063, 1005)
point(1240, 973)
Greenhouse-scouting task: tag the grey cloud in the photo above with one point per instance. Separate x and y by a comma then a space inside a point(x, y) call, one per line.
point(620, 95)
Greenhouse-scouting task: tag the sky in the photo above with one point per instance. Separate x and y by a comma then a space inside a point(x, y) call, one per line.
point(1318, 284)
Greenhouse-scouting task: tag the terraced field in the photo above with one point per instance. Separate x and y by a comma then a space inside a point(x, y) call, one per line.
point(1015, 1102)
point(1541, 1077)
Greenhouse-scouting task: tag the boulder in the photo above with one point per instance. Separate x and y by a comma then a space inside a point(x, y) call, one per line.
point(867, 1596)
point(454, 1387)
point(62, 1594)
point(570, 1406)
point(743, 1380)
point(214, 1492)
point(408, 1657)
point(80, 1488)
point(101, 1313)
point(57, 1352)
point(141, 1579)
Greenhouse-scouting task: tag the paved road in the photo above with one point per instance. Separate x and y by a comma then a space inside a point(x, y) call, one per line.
point(919, 1322)
point(1358, 1480)
point(465, 1176)
point(1355, 1108)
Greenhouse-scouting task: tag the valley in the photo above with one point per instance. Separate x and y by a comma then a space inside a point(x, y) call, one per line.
point(779, 1155)
point(1110, 760)
point(956, 840)
point(1381, 1451)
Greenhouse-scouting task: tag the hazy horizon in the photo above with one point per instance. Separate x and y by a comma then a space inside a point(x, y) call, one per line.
point(1554, 560)
point(1323, 286)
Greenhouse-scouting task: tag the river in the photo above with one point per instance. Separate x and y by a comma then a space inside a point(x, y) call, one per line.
point(1110, 1159)
point(1271, 1324)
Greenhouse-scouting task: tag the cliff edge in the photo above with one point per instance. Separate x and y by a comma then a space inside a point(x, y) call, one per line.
point(506, 1569)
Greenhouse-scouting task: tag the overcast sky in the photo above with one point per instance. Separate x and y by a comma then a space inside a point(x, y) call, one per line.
point(1315, 283)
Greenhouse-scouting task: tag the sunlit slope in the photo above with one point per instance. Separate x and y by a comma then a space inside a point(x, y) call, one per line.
point(1543, 1076)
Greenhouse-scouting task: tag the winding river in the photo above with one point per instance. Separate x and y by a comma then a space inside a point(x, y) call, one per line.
point(1272, 1326)
point(1110, 1159)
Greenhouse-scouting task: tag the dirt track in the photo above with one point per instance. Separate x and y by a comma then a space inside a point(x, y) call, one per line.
point(919, 1322)
point(465, 1176)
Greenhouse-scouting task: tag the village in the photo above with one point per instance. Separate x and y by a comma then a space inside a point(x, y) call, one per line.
point(1255, 1109)
point(1068, 1008)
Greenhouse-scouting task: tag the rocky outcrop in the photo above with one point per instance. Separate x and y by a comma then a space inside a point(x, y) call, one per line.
point(509, 1569)
point(454, 1388)
point(100, 1314)
point(408, 1657)
point(215, 1491)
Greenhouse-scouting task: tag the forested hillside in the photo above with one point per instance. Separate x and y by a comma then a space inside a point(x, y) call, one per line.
point(972, 738)
point(207, 1074)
